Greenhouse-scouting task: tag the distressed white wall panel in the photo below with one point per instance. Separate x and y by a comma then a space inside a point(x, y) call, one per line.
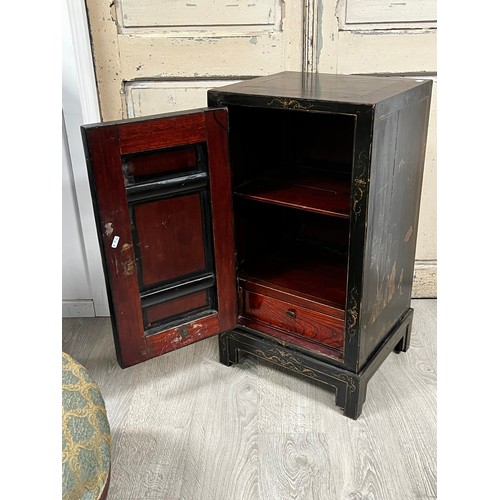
point(385, 11)
point(172, 13)
point(150, 98)
point(194, 50)
point(106, 53)
point(391, 52)
point(427, 224)
point(163, 57)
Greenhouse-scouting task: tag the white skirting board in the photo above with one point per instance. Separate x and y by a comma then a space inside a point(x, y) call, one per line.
point(78, 309)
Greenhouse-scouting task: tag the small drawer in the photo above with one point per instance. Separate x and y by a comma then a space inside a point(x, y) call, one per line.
point(294, 319)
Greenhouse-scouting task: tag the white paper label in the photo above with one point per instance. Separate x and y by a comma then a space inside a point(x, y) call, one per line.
point(116, 239)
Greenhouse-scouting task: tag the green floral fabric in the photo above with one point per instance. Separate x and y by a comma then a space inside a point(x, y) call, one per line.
point(86, 438)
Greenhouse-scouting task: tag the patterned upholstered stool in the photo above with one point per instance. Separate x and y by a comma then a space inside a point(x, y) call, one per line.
point(86, 439)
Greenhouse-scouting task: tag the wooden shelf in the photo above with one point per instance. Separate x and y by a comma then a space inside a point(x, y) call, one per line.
point(303, 271)
point(313, 189)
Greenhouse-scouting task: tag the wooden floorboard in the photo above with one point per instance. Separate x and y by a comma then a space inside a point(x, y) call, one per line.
point(186, 427)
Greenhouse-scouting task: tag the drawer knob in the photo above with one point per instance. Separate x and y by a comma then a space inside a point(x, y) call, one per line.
point(291, 313)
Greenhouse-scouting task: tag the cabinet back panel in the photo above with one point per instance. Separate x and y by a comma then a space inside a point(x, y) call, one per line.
point(301, 271)
point(322, 139)
point(323, 231)
point(271, 139)
point(297, 252)
point(261, 227)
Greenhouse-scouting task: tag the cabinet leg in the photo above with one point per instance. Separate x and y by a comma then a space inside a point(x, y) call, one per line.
point(354, 401)
point(224, 350)
point(228, 354)
point(404, 344)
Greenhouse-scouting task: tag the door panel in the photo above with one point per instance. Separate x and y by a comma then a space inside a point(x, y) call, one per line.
point(144, 98)
point(387, 13)
point(170, 238)
point(157, 164)
point(153, 13)
point(162, 199)
point(154, 315)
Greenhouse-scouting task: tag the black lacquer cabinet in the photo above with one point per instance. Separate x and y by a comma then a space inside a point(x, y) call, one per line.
point(282, 218)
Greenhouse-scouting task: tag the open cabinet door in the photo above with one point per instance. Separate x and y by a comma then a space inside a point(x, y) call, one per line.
point(162, 198)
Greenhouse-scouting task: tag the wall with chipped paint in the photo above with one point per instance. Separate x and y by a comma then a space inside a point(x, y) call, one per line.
point(154, 56)
point(167, 43)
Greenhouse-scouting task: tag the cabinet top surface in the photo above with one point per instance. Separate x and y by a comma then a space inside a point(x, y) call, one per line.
point(357, 89)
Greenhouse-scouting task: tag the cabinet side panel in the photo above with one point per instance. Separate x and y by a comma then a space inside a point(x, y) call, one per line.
point(394, 201)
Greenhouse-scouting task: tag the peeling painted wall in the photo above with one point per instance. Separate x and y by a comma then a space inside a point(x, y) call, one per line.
point(154, 56)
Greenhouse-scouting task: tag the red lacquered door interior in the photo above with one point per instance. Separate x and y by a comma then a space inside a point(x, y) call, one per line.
point(162, 197)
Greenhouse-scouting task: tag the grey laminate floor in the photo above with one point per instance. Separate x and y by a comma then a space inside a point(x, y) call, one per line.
point(186, 427)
